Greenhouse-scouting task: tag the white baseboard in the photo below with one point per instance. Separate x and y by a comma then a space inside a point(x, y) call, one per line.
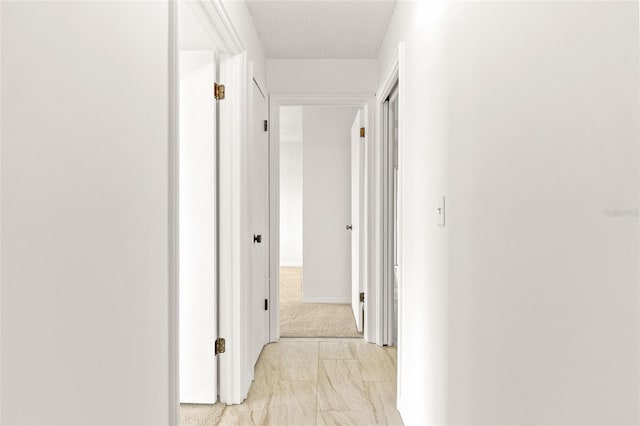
point(291, 265)
point(341, 300)
point(404, 415)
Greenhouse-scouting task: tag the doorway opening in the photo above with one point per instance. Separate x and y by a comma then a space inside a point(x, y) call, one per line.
point(316, 224)
point(318, 157)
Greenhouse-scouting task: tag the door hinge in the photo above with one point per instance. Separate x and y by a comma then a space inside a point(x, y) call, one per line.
point(266, 305)
point(266, 125)
point(362, 297)
point(362, 132)
point(220, 345)
point(218, 91)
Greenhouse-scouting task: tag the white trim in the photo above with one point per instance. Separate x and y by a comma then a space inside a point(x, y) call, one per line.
point(384, 321)
point(390, 77)
point(217, 24)
point(274, 220)
point(400, 406)
point(1, 3)
point(338, 300)
point(365, 101)
point(401, 130)
point(233, 231)
point(173, 208)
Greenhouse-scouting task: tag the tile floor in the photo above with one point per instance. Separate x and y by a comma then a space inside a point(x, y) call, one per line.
point(314, 382)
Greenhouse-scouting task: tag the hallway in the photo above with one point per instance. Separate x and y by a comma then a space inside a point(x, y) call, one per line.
point(492, 179)
point(351, 383)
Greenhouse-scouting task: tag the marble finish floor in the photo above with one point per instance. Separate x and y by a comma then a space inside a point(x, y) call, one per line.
point(315, 382)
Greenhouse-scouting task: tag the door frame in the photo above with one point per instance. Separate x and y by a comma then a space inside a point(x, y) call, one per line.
point(367, 103)
point(383, 255)
point(226, 44)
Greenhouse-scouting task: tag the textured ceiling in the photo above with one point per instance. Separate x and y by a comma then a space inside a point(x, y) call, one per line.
point(318, 29)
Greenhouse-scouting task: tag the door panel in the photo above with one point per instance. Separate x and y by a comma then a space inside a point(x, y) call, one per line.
point(234, 233)
point(259, 216)
point(197, 233)
point(357, 168)
point(326, 170)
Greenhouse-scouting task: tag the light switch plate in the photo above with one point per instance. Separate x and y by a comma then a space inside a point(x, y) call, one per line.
point(440, 211)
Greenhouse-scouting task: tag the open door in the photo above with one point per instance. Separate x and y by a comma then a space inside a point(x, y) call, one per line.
point(235, 237)
point(258, 176)
point(357, 194)
point(197, 230)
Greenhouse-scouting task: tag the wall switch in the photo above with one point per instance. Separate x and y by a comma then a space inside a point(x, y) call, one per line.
point(440, 211)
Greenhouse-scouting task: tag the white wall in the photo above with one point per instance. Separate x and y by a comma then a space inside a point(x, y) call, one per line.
point(423, 302)
point(326, 169)
point(525, 115)
point(193, 36)
point(322, 76)
point(84, 213)
point(291, 186)
point(243, 23)
point(559, 147)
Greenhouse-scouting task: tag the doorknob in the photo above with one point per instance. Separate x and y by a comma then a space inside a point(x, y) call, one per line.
point(349, 227)
point(257, 238)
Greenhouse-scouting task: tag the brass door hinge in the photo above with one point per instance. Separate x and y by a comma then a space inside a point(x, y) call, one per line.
point(362, 297)
point(220, 345)
point(218, 91)
point(362, 132)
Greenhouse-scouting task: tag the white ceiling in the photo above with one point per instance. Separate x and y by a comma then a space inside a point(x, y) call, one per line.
point(320, 29)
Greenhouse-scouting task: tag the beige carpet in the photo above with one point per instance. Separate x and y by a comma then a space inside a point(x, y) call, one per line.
point(298, 319)
point(201, 414)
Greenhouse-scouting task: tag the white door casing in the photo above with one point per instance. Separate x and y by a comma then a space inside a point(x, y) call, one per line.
point(390, 260)
point(357, 202)
point(362, 102)
point(383, 238)
point(197, 233)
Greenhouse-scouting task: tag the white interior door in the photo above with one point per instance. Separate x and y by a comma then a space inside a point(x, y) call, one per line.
point(234, 233)
point(197, 232)
point(357, 193)
point(326, 209)
point(258, 170)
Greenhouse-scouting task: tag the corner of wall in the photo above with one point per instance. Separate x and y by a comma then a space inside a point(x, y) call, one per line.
point(243, 23)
